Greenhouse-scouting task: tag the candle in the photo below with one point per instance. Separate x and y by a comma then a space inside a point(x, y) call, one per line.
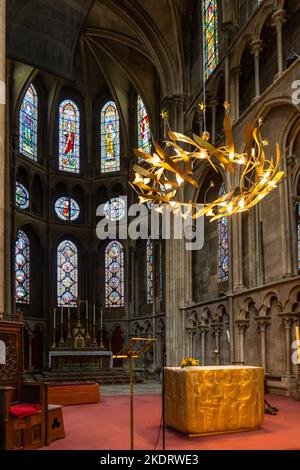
point(54, 319)
point(61, 314)
point(94, 315)
point(101, 320)
point(87, 309)
point(68, 312)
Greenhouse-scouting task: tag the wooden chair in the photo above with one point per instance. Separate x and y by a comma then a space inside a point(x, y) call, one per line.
point(20, 426)
point(27, 430)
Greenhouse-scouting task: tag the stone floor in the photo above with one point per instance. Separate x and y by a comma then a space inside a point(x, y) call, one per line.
point(149, 387)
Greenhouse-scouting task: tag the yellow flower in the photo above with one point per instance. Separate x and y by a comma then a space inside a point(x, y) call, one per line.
point(194, 362)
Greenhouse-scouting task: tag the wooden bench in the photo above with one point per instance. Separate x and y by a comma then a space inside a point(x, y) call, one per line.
point(73, 393)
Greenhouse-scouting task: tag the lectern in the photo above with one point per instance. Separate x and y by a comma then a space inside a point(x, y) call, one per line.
point(135, 348)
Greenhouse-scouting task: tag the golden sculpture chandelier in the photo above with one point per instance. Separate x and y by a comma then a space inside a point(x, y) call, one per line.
point(161, 178)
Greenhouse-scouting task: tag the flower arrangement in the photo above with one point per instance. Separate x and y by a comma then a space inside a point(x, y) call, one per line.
point(189, 362)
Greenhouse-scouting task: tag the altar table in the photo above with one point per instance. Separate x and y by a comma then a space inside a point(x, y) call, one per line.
point(65, 359)
point(203, 401)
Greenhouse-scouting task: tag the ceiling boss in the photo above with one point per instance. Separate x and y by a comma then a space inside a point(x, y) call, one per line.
point(161, 177)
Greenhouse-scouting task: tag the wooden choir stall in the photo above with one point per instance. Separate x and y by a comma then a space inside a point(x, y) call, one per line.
point(23, 406)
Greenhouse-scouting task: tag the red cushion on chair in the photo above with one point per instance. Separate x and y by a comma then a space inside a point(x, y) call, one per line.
point(24, 409)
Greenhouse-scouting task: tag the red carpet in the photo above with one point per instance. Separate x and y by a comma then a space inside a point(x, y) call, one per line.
point(105, 426)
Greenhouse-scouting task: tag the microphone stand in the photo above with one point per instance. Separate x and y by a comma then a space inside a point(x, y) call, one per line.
point(163, 386)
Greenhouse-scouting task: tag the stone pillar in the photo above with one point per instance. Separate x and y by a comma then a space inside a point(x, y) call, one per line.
point(256, 47)
point(203, 331)
point(213, 104)
point(288, 338)
point(263, 323)
point(227, 28)
point(217, 330)
point(242, 326)
point(236, 72)
point(278, 20)
point(237, 252)
point(3, 193)
point(178, 266)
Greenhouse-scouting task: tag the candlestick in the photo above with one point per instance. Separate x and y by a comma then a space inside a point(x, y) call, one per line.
point(69, 324)
point(94, 341)
point(101, 347)
point(54, 330)
point(61, 341)
point(87, 337)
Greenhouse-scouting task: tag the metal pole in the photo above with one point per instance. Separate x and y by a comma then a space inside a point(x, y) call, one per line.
point(131, 363)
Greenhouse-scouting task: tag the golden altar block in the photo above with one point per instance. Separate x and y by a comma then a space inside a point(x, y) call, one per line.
point(201, 401)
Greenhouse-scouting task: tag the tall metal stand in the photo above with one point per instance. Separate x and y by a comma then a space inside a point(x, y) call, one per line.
point(133, 350)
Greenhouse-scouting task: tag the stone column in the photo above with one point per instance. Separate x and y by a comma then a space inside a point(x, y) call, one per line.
point(242, 326)
point(213, 104)
point(288, 341)
point(178, 268)
point(263, 323)
point(3, 193)
point(256, 47)
point(236, 72)
point(278, 20)
point(203, 331)
point(227, 28)
point(217, 330)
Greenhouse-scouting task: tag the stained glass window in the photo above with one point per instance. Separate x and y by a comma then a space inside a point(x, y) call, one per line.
point(143, 127)
point(67, 274)
point(114, 209)
point(223, 247)
point(110, 138)
point(210, 36)
point(22, 268)
point(298, 235)
point(28, 124)
point(67, 209)
point(114, 275)
point(149, 271)
point(69, 137)
point(22, 197)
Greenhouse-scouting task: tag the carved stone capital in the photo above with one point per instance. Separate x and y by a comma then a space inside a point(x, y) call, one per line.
point(263, 322)
point(242, 326)
point(278, 19)
point(256, 47)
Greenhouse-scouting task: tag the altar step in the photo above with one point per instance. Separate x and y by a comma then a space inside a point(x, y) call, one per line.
point(116, 376)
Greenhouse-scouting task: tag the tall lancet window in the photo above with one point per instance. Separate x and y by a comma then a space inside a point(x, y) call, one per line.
point(67, 274)
point(149, 265)
point(223, 246)
point(110, 138)
point(22, 268)
point(28, 124)
point(143, 127)
point(114, 275)
point(210, 36)
point(69, 137)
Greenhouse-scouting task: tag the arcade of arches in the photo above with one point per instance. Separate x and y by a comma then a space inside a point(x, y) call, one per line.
point(73, 117)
